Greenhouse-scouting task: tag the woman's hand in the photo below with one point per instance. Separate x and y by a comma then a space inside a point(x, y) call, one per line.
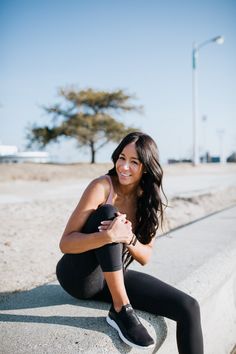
point(119, 229)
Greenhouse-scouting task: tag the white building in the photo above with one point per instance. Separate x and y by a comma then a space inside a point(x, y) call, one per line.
point(9, 153)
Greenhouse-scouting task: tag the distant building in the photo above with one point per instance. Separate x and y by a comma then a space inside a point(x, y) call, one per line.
point(232, 157)
point(172, 161)
point(10, 154)
point(8, 150)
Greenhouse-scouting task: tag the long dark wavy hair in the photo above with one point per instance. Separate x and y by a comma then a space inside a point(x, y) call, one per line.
point(150, 207)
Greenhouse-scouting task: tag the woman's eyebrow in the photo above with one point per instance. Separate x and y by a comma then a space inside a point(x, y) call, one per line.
point(132, 157)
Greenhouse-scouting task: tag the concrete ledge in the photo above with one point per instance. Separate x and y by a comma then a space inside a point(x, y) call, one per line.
point(212, 281)
point(47, 320)
point(214, 285)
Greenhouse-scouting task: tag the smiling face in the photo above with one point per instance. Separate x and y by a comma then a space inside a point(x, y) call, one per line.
point(128, 166)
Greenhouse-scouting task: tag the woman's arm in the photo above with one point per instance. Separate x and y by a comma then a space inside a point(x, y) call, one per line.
point(74, 241)
point(141, 253)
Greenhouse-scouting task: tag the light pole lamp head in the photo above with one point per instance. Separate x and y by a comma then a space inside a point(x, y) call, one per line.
point(218, 39)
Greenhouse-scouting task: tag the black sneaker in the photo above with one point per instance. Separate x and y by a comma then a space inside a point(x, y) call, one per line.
point(129, 327)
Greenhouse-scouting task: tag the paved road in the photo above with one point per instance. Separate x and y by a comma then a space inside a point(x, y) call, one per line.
point(199, 183)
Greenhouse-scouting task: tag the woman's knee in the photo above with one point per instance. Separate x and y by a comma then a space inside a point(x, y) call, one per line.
point(191, 306)
point(107, 211)
point(104, 212)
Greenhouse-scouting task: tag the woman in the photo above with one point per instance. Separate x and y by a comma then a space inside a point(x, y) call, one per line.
point(114, 223)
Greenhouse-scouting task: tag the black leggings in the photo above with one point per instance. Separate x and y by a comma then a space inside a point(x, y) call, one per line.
point(81, 275)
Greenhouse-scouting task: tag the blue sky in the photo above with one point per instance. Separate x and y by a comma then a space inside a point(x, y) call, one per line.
point(143, 47)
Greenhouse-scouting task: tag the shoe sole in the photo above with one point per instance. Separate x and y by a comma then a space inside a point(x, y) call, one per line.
point(113, 324)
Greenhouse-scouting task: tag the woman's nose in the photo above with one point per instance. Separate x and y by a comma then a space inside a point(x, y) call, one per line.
point(126, 166)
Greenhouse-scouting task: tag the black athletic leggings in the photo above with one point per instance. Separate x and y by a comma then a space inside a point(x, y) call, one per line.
point(81, 275)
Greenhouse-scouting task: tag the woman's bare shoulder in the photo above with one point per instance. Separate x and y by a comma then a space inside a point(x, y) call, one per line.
point(100, 186)
point(100, 182)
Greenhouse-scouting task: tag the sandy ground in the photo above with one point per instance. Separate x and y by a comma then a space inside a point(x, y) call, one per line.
point(36, 201)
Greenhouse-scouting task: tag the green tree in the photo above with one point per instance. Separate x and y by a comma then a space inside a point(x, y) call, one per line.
point(87, 116)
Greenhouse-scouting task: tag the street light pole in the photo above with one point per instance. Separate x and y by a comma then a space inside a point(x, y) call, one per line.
point(195, 51)
point(195, 158)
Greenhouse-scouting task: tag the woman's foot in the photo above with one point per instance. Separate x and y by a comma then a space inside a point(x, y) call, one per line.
point(129, 327)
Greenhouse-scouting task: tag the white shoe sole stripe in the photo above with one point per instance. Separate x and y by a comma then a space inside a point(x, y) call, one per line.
point(114, 325)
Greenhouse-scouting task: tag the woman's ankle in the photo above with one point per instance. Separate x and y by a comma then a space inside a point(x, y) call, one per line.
point(118, 305)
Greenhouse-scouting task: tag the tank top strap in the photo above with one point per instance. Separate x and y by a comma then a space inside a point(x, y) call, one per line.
point(110, 197)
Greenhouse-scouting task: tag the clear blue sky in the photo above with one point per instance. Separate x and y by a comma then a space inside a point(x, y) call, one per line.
point(142, 46)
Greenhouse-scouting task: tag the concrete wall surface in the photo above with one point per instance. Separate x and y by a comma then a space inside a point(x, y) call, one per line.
point(213, 284)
